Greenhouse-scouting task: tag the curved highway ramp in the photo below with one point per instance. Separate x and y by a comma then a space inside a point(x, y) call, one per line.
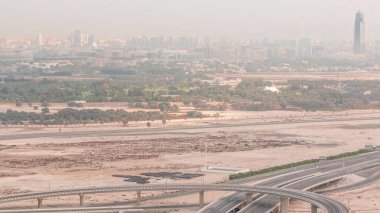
point(326, 204)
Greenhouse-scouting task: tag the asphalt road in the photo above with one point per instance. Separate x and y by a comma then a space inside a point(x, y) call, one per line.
point(269, 202)
point(370, 180)
point(165, 130)
point(229, 203)
point(325, 203)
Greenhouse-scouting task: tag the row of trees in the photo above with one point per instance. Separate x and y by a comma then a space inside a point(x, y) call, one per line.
point(248, 95)
point(163, 106)
point(73, 116)
point(86, 116)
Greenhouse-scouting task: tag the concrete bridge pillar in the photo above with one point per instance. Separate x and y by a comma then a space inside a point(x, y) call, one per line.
point(314, 208)
point(39, 202)
point(81, 197)
point(139, 196)
point(248, 197)
point(284, 206)
point(201, 199)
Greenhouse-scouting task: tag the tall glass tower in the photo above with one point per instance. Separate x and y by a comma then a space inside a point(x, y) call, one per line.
point(359, 37)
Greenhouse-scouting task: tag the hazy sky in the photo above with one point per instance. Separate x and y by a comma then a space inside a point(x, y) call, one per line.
point(325, 19)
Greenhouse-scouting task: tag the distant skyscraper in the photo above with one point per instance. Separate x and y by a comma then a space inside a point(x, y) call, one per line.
point(359, 37)
point(305, 48)
point(77, 39)
point(91, 41)
point(84, 39)
point(3, 42)
point(39, 41)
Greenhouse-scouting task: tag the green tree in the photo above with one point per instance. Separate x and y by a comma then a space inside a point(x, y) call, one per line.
point(148, 124)
point(18, 103)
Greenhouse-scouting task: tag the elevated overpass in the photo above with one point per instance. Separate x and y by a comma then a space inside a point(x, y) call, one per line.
point(307, 184)
point(326, 204)
point(301, 176)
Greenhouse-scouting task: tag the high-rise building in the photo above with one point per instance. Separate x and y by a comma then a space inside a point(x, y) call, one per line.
point(3, 42)
point(377, 45)
point(305, 48)
point(76, 38)
point(39, 41)
point(84, 39)
point(359, 37)
point(79, 39)
point(91, 41)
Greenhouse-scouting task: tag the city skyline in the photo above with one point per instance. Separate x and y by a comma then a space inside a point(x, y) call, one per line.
point(121, 19)
point(151, 105)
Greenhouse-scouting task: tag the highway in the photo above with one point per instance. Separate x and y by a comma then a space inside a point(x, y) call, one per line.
point(231, 202)
point(104, 209)
point(326, 204)
point(181, 130)
point(270, 202)
point(370, 180)
point(110, 209)
point(226, 203)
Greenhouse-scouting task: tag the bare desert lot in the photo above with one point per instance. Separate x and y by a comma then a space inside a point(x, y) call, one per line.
point(42, 159)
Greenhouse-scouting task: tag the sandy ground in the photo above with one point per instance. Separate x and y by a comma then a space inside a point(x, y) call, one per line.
point(43, 164)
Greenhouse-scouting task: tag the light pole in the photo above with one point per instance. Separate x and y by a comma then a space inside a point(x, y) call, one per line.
point(206, 160)
point(206, 167)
